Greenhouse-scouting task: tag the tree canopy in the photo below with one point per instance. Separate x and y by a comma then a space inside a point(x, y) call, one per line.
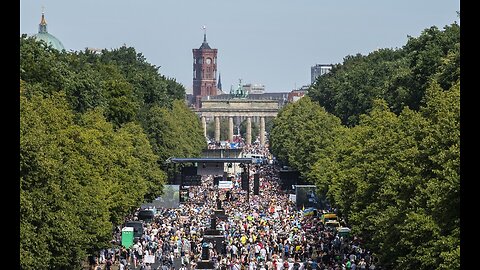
point(398, 76)
point(94, 131)
point(392, 166)
point(300, 131)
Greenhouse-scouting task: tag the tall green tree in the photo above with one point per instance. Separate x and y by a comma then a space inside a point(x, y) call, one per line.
point(350, 88)
point(191, 131)
point(86, 158)
point(300, 132)
point(175, 132)
point(398, 76)
point(121, 105)
point(62, 216)
point(426, 56)
point(148, 85)
point(393, 169)
point(396, 180)
point(78, 178)
point(435, 207)
point(42, 66)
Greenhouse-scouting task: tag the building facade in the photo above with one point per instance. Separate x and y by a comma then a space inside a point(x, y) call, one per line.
point(204, 72)
point(295, 95)
point(319, 70)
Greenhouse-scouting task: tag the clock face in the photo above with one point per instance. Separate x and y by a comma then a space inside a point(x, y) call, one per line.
point(209, 60)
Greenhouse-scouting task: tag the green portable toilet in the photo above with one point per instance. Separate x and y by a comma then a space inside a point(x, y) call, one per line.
point(127, 237)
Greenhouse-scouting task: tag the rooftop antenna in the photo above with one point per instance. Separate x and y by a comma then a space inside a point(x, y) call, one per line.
point(204, 33)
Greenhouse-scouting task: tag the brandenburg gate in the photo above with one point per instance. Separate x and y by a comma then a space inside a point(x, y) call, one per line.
point(237, 107)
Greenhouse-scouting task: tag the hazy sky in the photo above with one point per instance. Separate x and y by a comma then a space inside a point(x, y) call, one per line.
point(274, 43)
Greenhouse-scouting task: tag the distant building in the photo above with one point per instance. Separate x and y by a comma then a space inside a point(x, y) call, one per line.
point(297, 94)
point(319, 70)
point(47, 37)
point(204, 71)
point(254, 88)
point(280, 97)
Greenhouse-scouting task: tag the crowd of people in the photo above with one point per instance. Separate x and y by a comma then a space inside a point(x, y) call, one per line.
point(256, 148)
point(267, 232)
point(238, 143)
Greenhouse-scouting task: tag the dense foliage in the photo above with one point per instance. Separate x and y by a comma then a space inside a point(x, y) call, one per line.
point(299, 133)
point(400, 77)
point(94, 131)
point(397, 180)
point(175, 131)
point(393, 168)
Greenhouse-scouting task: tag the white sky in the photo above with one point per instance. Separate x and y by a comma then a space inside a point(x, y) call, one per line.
point(270, 42)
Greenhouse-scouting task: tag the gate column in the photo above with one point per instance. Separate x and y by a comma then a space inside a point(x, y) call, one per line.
point(204, 125)
point(262, 130)
point(249, 130)
point(230, 128)
point(217, 129)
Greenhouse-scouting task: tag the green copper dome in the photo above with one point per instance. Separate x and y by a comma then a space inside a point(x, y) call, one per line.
point(47, 37)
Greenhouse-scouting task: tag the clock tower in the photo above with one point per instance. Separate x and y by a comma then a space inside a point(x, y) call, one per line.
point(204, 71)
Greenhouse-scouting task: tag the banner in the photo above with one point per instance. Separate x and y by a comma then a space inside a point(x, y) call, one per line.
point(225, 184)
point(149, 259)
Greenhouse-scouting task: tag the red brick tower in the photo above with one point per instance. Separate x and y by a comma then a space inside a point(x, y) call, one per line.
point(204, 71)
